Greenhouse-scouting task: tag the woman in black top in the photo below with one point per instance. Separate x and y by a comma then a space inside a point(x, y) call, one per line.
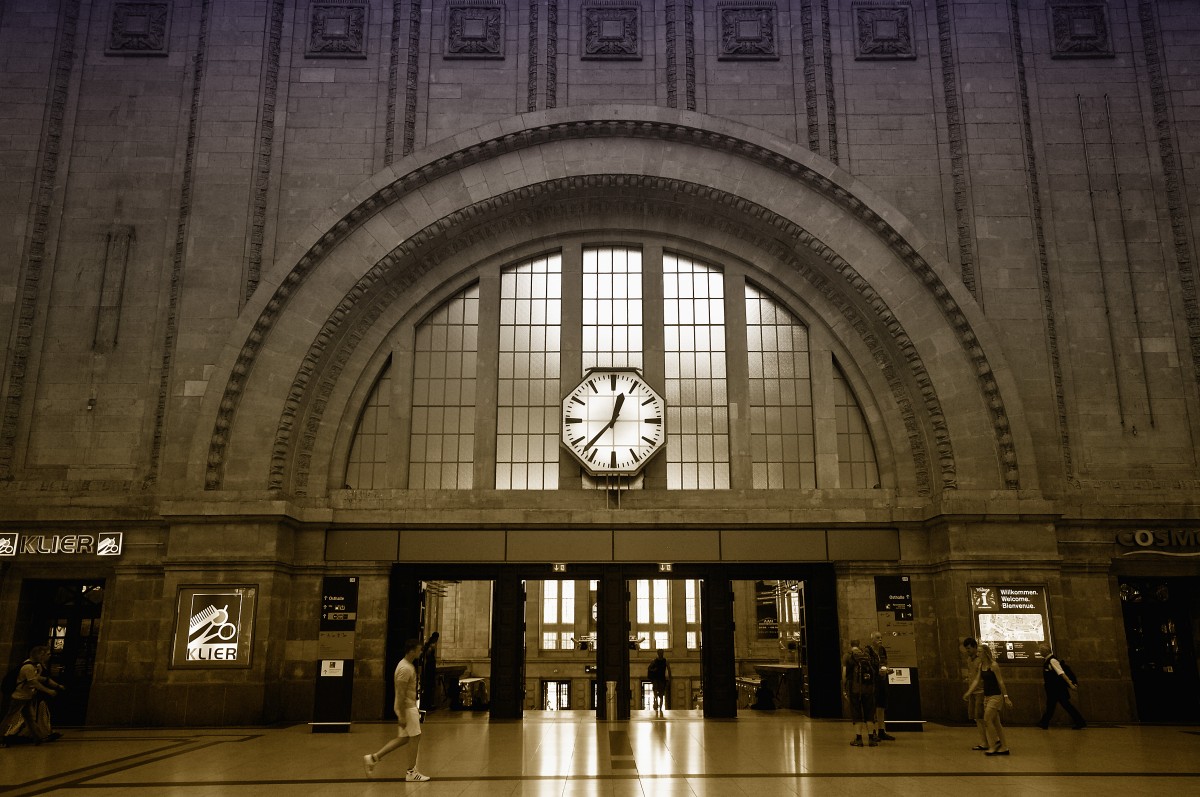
point(994, 695)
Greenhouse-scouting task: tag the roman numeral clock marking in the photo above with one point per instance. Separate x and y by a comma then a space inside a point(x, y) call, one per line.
point(612, 422)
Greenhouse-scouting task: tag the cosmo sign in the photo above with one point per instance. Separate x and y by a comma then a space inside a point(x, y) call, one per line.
point(107, 543)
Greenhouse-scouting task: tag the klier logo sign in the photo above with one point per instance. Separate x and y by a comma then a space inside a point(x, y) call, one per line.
point(214, 627)
point(106, 544)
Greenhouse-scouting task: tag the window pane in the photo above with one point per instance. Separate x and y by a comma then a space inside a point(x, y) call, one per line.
point(442, 438)
point(857, 466)
point(781, 433)
point(612, 307)
point(694, 335)
point(526, 448)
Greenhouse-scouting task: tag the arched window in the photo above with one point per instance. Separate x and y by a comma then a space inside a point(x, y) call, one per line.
point(751, 401)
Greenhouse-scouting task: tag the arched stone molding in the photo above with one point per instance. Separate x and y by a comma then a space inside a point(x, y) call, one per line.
point(364, 317)
point(407, 285)
point(915, 290)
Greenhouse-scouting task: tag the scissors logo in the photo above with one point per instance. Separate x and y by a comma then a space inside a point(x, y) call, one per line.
point(213, 628)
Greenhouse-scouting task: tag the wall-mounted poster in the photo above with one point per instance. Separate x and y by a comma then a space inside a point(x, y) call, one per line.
point(1013, 619)
point(214, 626)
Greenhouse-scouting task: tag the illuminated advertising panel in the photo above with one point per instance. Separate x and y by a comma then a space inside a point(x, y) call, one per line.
point(1013, 619)
point(214, 626)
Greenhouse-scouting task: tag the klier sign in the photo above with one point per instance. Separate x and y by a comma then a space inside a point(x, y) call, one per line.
point(107, 543)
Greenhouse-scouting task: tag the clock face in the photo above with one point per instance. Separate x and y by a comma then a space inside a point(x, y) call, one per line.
point(613, 422)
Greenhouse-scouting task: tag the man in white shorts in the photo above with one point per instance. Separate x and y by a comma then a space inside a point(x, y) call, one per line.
point(407, 713)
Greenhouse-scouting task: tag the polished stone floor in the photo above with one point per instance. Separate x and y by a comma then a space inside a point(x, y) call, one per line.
point(566, 753)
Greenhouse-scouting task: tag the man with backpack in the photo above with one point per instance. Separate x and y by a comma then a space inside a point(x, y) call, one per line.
point(23, 712)
point(859, 673)
point(1059, 682)
point(659, 674)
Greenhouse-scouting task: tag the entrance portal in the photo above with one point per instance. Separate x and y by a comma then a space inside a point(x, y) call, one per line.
point(584, 639)
point(1161, 615)
point(64, 615)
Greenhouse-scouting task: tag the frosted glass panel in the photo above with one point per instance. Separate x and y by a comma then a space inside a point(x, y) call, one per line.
point(856, 453)
point(442, 441)
point(365, 468)
point(781, 417)
point(697, 400)
point(528, 368)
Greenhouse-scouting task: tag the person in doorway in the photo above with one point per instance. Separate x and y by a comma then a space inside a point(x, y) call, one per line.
point(32, 687)
point(975, 699)
point(859, 674)
point(427, 668)
point(659, 674)
point(995, 697)
point(409, 716)
point(1058, 690)
point(879, 653)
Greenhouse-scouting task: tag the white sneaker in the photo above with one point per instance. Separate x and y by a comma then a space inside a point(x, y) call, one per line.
point(369, 763)
point(415, 777)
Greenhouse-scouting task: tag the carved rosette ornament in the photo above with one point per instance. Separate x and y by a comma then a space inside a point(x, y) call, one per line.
point(337, 30)
point(748, 31)
point(1080, 30)
point(139, 29)
point(475, 29)
point(612, 31)
point(884, 32)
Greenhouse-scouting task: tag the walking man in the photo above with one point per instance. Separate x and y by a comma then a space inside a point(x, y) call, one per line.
point(879, 653)
point(1058, 689)
point(975, 702)
point(409, 734)
point(659, 673)
point(32, 682)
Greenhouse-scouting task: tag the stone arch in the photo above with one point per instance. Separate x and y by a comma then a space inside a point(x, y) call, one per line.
point(787, 197)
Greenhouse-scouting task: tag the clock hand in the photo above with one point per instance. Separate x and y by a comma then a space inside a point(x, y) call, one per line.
point(611, 423)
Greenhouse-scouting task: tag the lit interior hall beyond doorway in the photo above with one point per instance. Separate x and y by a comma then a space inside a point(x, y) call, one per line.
point(570, 753)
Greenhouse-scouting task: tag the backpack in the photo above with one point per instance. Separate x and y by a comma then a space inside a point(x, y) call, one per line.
point(864, 671)
point(1068, 671)
point(9, 684)
point(657, 670)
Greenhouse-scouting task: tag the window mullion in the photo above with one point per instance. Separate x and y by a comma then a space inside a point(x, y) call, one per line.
point(738, 380)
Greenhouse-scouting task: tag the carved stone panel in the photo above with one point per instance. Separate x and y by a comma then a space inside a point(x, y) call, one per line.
point(1080, 30)
point(884, 31)
point(139, 29)
point(748, 31)
point(612, 30)
point(337, 30)
point(475, 29)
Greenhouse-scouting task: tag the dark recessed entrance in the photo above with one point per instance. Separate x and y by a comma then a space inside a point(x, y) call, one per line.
point(1161, 615)
point(64, 615)
point(608, 653)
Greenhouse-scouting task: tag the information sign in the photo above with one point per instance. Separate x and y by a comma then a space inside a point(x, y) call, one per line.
point(1013, 619)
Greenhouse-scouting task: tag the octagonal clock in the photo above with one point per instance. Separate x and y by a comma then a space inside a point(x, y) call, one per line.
point(613, 422)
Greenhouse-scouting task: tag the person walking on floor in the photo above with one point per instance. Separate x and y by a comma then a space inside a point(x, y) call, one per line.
point(879, 653)
point(975, 697)
point(1058, 690)
point(859, 674)
point(405, 706)
point(994, 698)
point(23, 711)
point(659, 673)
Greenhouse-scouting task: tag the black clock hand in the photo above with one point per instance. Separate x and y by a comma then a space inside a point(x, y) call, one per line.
point(611, 423)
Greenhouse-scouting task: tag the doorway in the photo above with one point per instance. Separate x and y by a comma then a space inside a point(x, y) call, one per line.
point(64, 615)
point(590, 632)
point(1161, 617)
